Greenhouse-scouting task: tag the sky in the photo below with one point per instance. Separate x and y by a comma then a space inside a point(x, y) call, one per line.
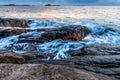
point(62, 2)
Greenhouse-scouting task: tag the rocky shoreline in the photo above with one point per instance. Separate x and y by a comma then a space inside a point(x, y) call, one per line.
point(92, 62)
point(106, 63)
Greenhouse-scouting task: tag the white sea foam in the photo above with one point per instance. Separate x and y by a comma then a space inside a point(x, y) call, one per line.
point(99, 34)
point(6, 43)
point(43, 23)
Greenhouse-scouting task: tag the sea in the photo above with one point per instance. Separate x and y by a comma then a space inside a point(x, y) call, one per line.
point(102, 21)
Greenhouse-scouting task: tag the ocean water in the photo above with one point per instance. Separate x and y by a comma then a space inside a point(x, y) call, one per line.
point(102, 21)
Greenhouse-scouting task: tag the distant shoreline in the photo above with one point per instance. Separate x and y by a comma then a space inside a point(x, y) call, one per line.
point(27, 5)
point(50, 5)
point(16, 5)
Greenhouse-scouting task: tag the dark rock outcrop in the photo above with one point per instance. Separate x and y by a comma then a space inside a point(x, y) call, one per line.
point(8, 22)
point(74, 33)
point(101, 49)
point(10, 57)
point(45, 72)
point(97, 49)
point(5, 32)
point(36, 56)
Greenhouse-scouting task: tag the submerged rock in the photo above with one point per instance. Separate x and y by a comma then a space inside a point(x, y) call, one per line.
point(45, 72)
point(8, 22)
point(10, 57)
point(74, 33)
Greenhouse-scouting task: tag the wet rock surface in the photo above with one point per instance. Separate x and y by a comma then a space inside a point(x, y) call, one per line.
point(45, 72)
point(9, 31)
point(10, 57)
point(101, 58)
point(73, 32)
point(36, 56)
point(8, 22)
point(97, 49)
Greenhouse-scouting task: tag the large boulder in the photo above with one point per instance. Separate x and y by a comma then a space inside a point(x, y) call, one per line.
point(10, 57)
point(74, 33)
point(8, 22)
point(45, 72)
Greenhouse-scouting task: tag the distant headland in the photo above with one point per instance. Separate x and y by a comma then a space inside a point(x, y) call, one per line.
point(27, 5)
point(15, 5)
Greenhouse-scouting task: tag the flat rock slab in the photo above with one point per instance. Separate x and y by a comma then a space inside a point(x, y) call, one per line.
point(45, 72)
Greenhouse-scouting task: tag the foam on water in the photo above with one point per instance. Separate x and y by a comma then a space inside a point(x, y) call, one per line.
point(35, 24)
point(58, 47)
point(99, 34)
point(6, 43)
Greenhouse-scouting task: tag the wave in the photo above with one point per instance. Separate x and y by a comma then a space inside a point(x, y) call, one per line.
point(99, 35)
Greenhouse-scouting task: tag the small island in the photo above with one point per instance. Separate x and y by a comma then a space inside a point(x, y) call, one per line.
point(51, 5)
point(14, 5)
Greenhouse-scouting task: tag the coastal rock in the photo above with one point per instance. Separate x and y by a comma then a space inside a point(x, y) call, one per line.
point(101, 49)
point(24, 47)
point(10, 57)
point(97, 49)
point(36, 56)
point(99, 58)
point(107, 65)
point(15, 58)
point(9, 31)
point(73, 32)
point(8, 22)
point(45, 72)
